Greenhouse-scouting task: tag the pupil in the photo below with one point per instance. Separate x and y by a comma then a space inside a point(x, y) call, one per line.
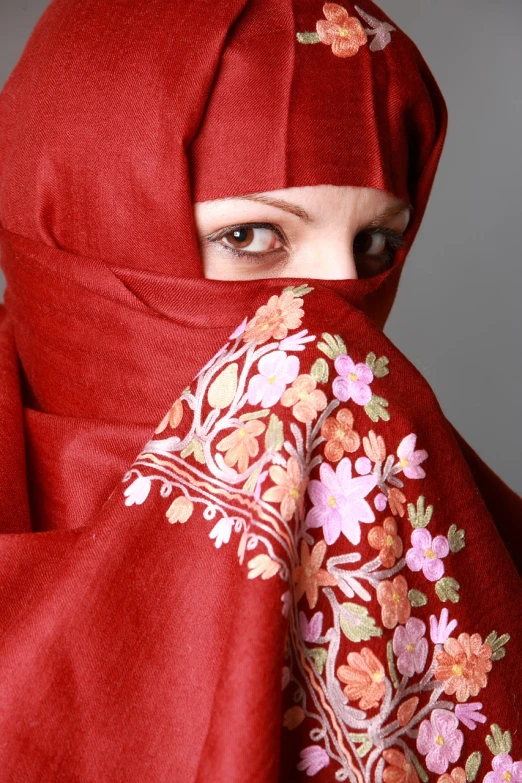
point(363, 242)
point(241, 237)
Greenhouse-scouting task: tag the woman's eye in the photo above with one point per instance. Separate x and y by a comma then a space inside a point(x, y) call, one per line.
point(252, 239)
point(370, 243)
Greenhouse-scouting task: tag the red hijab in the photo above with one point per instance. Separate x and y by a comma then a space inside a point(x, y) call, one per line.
point(303, 516)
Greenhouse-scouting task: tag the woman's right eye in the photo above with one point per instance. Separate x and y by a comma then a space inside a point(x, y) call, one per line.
point(251, 239)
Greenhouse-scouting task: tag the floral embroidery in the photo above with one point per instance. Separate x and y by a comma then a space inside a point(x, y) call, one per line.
point(364, 678)
point(306, 401)
point(345, 33)
point(385, 539)
point(399, 770)
point(282, 489)
point(463, 665)
point(309, 576)
point(440, 740)
point(340, 436)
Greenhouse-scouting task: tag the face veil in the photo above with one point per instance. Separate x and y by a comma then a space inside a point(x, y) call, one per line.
point(212, 489)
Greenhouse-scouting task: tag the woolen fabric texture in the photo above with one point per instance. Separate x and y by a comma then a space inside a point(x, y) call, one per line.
point(161, 583)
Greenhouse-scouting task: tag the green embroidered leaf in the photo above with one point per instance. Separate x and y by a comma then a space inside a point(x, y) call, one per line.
point(299, 290)
point(391, 664)
point(274, 438)
point(319, 656)
point(456, 539)
point(421, 772)
point(254, 415)
point(364, 742)
point(497, 644)
point(473, 765)
point(376, 409)
point(497, 741)
point(417, 516)
point(199, 454)
point(223, 388)
point(417, 598)
point(448, 589)
point(250, 483)
point(195, 448)
point(332, 346)
point(379, 367)
point(308, 38)
point(320, 371)
point(356, 624)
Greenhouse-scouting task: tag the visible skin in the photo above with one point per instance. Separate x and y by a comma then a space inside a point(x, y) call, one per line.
point(335, 235)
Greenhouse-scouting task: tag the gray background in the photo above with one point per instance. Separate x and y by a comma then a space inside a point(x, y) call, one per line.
point(458, 313)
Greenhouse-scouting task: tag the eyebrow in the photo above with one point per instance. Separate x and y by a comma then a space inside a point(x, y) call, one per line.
point(295, 209)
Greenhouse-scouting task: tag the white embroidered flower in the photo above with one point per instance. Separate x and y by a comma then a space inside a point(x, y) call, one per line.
point(137, 492)
point(222, 531)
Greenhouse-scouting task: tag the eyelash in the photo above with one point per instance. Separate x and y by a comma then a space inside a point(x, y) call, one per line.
point(395, 241)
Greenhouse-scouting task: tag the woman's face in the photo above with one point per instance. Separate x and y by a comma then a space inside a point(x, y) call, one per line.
point(322, 231)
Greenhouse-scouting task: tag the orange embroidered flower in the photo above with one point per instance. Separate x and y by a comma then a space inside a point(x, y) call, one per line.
point(400, 770)
point(309, 576)
point(385, 539)
point(172, 418)
point(393, 597)
point(290, 488)
point(340, 435)
point(274, 319)
point(457, 775)
point(344, 33)
point(241, 445)
point(364, 678)
point(180, 510)
point(463, 665)
point(307, 401)
point(396, 499)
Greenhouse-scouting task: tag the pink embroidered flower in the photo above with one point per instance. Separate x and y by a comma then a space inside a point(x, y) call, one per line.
point(440, 740)
point(309, 576)
point(380, 501)
point(339, 435)
point(504, 769)
point(273, 320)
point(313, 759)
point(297, 341)
point(441, 629)
point(137, 492)
point(385, 539)
point(290, 488)
point(276, 371)
point(306, 400)
point(364, 678)
point(242, 445)
point(344, 33)
point(427, 554)
point(311, 630)
point(411, 647)
point(393, 597)
point(469, 714)
point(400, 770)
point(457, 775)
point(353, 381)
point(463, 665)
point(409, 459)
point(339, 504)
point(380, 30)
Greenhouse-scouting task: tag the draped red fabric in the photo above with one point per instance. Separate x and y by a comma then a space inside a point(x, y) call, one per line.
point(301, 571)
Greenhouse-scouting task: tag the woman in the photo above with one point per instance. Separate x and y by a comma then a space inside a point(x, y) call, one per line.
point(303, 515)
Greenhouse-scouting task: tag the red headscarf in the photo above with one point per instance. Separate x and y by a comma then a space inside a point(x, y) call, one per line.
point(324, 524)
